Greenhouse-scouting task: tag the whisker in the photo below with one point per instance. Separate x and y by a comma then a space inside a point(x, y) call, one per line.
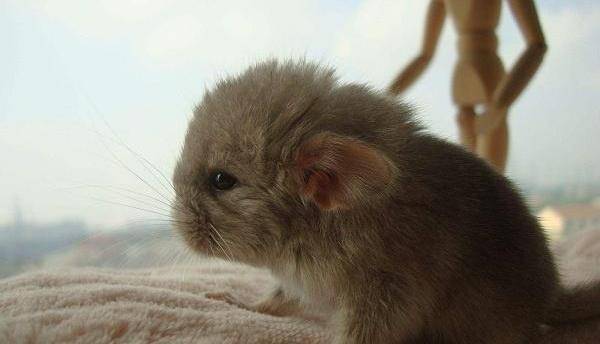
point(227, 257)
point(171, 255)
point(187, 263)
point(130, 206)
point(106, 140)
point(177, 260)
point(133, 247)
point(122, 241)
point(103, 187)
point(118, 160)
point(142, 158)
point(119, 141)
point(224, 243)
point(164, 255)
point(154, 222)
point(142, 202)
point(138, 176)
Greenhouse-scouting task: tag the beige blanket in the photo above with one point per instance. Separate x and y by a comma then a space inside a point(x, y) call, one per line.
point(169, 305)
point(144, 306)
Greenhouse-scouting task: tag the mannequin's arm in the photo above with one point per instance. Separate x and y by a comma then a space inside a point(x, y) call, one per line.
point(528, 63)
point(436, 14)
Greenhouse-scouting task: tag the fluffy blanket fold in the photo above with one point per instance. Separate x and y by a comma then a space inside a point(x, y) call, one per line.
point(169, 305)
point(144, 306)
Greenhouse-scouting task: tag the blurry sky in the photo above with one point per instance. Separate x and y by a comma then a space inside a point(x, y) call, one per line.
point(79, 80)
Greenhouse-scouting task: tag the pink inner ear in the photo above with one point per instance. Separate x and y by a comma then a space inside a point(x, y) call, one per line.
point(323, 189)
point(335, 171)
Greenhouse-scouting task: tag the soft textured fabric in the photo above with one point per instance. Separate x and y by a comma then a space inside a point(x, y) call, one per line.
point(144, 306)
point(169, 305)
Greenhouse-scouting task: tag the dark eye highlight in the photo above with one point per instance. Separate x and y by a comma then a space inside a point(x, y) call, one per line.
point(221, 180)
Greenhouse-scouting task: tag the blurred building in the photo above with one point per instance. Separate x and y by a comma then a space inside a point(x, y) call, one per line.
point(562, 220)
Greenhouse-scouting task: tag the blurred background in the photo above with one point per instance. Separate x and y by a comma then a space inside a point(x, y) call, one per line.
point(95, 97)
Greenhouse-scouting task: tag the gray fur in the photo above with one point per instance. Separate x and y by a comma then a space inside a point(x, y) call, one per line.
point(444, 251)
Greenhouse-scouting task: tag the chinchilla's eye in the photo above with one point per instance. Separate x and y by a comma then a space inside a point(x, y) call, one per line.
point(221, 180)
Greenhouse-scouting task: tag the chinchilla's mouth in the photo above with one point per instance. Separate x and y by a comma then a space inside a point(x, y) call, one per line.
point(199, 240)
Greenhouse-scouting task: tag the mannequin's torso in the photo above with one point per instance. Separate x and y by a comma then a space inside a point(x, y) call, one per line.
point(478, 69)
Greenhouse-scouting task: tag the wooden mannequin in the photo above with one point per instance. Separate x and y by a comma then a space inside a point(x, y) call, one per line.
point(479, 76)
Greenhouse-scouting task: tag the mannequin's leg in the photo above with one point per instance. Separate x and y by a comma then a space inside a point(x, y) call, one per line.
point(466, 120)
point(492, 145)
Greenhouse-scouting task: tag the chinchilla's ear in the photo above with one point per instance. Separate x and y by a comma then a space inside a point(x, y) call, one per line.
point(338, 172)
